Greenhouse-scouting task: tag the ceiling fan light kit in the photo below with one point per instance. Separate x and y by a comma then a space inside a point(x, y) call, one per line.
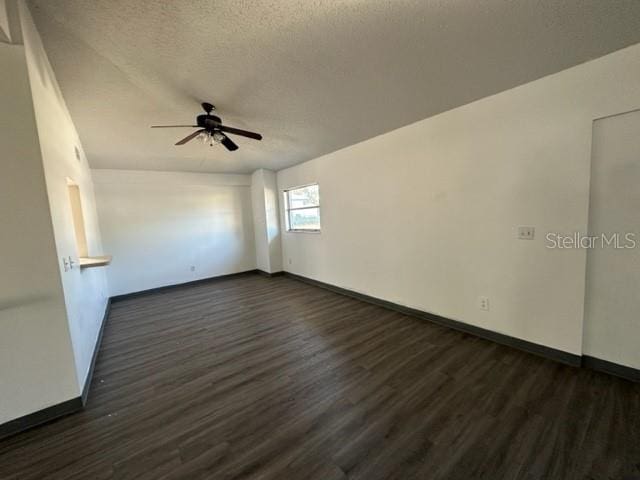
point(211, 130)
point(211, 139)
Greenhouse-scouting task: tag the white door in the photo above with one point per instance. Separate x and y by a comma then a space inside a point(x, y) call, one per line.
point(612, 301)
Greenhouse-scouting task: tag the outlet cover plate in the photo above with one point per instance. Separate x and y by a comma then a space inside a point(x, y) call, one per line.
point(483, 303)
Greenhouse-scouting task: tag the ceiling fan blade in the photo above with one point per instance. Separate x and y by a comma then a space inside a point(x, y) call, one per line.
point(228, 143)
point(174, 126)
point(237, 131)
point(190, 137)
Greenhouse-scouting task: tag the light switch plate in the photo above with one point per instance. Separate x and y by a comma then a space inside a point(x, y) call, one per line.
point(526, 233)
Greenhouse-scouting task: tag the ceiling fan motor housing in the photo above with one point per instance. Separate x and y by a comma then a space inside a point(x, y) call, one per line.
point(208, 122)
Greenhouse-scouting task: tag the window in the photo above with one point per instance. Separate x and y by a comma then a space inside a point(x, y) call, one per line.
point(302, 206)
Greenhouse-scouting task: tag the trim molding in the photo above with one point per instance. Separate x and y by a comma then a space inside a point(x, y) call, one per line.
point(267, 274)
point(76, 404)
point(530, 347)
point(622, 371)
point(53, 412)
point(94, 357)
point(126, 296)
point(41, 416)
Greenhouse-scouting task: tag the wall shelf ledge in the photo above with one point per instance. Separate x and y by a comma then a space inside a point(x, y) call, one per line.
point(92, 262)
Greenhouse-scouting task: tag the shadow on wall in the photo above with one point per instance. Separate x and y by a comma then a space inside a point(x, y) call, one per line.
point(162, 229)
point(23, 301)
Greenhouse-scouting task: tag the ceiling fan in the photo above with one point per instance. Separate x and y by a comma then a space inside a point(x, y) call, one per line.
point(211, 130)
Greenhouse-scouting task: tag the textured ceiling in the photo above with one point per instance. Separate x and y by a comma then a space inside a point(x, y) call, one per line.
point(312, 76)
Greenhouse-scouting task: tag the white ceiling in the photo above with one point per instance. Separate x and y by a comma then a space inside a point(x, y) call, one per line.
point(312, 76)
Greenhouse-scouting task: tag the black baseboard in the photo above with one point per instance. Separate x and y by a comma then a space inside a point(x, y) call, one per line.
point(40, 417)
point(267, 274)
point(96, 349)
point(76, 404)
point(61, 409)
point(622, 371)
point(126, 296)
point(541, 350)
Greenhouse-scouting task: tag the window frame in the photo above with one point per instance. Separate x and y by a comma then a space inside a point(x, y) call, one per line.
point(288, 209)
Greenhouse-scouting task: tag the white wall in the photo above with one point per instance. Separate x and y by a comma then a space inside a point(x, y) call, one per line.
point(260, 221)
point(85, 292)
point(157, 225)
point(612, 303)
point(424, 216)
point(36, 358)
point(272, 215)
point(266, 222)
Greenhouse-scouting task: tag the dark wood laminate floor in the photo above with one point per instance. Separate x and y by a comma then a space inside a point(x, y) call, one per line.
point(270, 378)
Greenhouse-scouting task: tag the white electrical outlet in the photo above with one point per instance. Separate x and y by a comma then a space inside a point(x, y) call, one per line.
point(483, 303)
point(526, 233)
point(192, 268)
point(289, 261)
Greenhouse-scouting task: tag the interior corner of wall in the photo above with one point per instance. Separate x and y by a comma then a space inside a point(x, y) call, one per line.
point(257, 176)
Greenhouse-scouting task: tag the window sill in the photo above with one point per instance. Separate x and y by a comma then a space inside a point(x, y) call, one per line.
point(303, 231)
point(92, 262)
